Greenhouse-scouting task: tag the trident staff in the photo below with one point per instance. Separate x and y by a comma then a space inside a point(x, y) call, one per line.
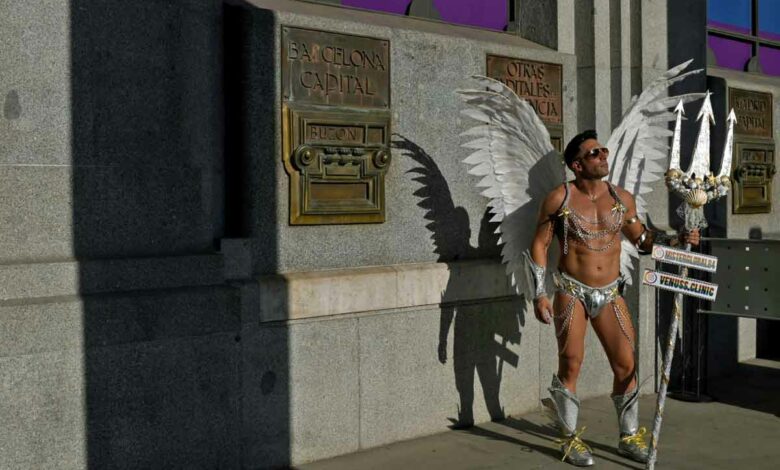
point(697, 187)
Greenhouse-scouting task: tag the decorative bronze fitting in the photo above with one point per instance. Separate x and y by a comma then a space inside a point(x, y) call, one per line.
point(335, 125)
point(753, 175)
point(304, 156)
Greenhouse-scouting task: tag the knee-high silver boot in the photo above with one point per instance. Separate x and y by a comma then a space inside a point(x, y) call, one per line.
point(565, 407)
point(632, 442)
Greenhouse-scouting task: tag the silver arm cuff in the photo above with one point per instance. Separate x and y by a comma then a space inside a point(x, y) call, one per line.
point(640, 241)
point(538, 274)
point(662, 238)
point(658, 237)
point(641, 238)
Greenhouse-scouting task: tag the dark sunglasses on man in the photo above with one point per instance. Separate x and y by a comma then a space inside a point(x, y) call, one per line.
point(595, 151)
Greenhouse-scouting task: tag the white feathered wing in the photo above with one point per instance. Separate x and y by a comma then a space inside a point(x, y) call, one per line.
point(517, 163)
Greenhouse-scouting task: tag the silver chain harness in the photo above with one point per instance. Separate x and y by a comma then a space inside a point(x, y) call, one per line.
point(584, 235)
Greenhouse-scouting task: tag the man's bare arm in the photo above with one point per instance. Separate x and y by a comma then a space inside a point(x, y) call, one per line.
point(633, 228)
point(543, 237)
point(642, 237)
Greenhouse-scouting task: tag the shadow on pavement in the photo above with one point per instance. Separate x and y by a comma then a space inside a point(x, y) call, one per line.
point(753, 386)
point(551, 451)
point(549, 433)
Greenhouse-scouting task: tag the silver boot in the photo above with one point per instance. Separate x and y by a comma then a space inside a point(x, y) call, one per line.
point(632, 441)
point(565, 407)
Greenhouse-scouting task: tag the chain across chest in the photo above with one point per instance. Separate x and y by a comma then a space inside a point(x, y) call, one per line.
point(597, 233)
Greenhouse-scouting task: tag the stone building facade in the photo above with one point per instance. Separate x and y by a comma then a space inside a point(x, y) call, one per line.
point(158, 307)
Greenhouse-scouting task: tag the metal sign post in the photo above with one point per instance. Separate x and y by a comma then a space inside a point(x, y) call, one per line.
point(697, 187)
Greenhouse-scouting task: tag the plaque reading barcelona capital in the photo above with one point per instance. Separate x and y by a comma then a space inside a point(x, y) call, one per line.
point(335, 125)
point(327, 68)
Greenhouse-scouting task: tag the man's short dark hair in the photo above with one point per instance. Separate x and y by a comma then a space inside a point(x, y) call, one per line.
point(573, 148)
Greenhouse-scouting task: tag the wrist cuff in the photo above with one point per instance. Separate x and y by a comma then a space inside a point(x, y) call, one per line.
point(538, 273)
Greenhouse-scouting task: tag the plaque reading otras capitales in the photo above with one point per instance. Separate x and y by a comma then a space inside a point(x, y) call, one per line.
point(325, 68)
point(540, 83)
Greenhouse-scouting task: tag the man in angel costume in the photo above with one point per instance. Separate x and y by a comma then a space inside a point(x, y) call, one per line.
point(589, 216)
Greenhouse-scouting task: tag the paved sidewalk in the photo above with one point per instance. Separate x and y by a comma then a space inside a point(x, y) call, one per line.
point(713, 435)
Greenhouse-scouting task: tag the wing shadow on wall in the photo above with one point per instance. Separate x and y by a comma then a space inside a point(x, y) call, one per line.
point(475, 325)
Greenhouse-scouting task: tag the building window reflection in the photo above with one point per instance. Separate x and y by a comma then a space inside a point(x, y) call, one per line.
point(744, 35)
point(487, 14)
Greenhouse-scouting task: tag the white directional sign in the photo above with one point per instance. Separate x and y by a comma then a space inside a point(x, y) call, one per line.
point(683, 285)
point(665, 254)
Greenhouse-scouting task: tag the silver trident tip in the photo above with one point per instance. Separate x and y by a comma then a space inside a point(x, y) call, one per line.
point(706, 108)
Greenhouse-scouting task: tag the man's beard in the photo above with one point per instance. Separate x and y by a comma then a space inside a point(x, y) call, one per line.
point(596, 175)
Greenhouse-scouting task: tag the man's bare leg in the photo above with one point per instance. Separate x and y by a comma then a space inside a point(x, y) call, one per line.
point(620, 351)
point(570, 322)
point(571, 342)
point(617, 335)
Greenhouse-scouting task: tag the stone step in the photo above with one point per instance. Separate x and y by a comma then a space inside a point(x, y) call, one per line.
point(42, 325)
point(85, 277)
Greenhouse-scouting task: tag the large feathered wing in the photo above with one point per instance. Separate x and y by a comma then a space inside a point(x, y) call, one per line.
point(640, 145)
point(517, 163)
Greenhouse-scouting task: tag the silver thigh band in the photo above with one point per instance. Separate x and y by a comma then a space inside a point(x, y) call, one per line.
point(593, 298)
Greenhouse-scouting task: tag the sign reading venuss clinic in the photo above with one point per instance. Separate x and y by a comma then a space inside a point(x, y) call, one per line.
point(683, 285)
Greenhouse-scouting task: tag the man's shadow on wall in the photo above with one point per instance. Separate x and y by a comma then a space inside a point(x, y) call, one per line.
point(476, 326)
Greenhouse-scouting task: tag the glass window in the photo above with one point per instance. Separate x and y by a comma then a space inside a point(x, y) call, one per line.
point(389, 6)
point(769, 19)
point(730, 53)
point(731, 15)
point(490, 14)
point(770, 60)
point(741, 30)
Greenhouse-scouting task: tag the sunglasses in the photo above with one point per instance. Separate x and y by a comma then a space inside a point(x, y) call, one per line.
point(594, 152)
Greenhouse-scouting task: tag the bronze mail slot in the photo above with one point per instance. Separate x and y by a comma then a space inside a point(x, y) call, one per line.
point(754, 151)
point(754, 169)
point(335, 125)
point(337, 162)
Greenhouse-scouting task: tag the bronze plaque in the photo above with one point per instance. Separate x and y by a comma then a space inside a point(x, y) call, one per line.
point(754, 170)
point(319, 67)
point(337, 159)
point(540, 83)
point(335, 125)
point(754, 112)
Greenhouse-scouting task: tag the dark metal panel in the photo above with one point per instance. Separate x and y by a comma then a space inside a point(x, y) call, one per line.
point(748, 278)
